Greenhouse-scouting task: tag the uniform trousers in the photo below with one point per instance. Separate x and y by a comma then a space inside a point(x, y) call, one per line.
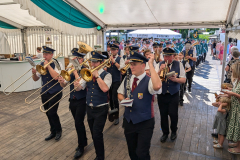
point(204, 57)
point(181, 92)
point(96, 117)
point(53, 118)
point(168, 106)
point(138, 138)
point(78, 110)
point(113, 95)
point(189, 78)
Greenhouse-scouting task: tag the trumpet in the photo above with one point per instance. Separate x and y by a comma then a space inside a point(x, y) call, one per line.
point(164, 72)
point(124, 69)
point(65, 74)
point(108, 65)
point(157, 56)
point(86, 74)
point(4, 91)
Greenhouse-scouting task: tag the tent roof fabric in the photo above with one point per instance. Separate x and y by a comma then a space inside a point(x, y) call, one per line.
point(158, 13)
point(14, 13)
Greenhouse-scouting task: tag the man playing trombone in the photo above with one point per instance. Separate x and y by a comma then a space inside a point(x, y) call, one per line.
point(77, 105)
point(52, 72)
point(97, 102)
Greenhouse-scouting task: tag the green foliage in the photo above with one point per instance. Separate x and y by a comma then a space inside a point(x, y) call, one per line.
point(204, 36)
point(211, 30)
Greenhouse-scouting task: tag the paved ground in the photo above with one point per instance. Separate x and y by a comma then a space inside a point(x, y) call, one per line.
point(23, 128)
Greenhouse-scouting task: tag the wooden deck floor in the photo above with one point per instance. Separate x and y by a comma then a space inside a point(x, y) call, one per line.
point(24, 127)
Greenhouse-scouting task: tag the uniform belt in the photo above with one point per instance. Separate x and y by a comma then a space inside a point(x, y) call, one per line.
point(97, 107)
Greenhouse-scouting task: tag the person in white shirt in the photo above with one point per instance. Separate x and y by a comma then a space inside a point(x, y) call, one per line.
point(52, 71)
point(187, 68)
point(97, 101)
point(147, 53)
point(39, 53)
point(138, 122)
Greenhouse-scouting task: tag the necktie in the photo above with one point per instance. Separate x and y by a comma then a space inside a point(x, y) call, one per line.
point(94, 79)
point(134, 85)
point(169, 67)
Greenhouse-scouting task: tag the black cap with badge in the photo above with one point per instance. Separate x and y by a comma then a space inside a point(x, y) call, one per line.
point(137, 57)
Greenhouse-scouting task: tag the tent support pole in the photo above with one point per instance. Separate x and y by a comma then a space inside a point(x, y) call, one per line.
point(224, 56)
point(104, 40)
point(23, 40)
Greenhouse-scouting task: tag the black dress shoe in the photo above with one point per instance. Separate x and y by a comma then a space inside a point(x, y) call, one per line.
point(164, 138)
point(181, 103)
point(189, 90)
point(58, 136)
point(51, 136)
point(116, 122)
point(78, 153)
point(78, 146)
point(173, 136)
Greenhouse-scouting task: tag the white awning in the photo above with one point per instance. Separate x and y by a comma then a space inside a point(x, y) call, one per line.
point(13, 12)
point(158, 13)
point(155, 33)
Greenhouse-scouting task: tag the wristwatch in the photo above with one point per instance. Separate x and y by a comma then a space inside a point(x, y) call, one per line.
point(98, 77)
point(115, 62)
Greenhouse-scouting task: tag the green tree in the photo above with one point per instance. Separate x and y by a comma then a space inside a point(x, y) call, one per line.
point(204, 36)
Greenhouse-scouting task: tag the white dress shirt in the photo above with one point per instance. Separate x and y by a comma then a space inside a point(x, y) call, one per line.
point(182, 71)
point(107, 79)
point(187, 65)
point(40, 55)
point(122, 62)
point(121, 89)
point(58, 71)
point(154, 65)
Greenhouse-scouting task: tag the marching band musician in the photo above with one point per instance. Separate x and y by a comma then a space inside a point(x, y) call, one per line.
point(117, 63)
point(138, 119)
point(191, 57)
point(126, 57)
point(52, 72)
point(108, 48)
point(187, 68)
point(157, 49)
point(97, 102)
point(77, 106)
point(169, 99)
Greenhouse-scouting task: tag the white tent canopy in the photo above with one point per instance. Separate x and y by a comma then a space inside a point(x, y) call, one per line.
point(140, 14)
point(155, 33)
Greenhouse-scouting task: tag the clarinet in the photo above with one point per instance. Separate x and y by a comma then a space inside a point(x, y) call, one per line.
point(128, 85)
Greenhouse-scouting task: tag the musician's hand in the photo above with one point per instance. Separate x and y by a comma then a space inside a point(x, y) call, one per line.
point(76, 84)
point(126, 98)
point(75, 72)
point(45, 62)
point(127, 61)
point(61, 80)
point(162, 67)
point(34, 71)
point(187, 57)
point(112, 59)
point(173, 78)
point(151, 59)
point(95, 73)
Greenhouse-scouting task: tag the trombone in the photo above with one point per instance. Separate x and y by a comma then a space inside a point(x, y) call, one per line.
point(4, 91)
point(65, 74)
point(86, 74)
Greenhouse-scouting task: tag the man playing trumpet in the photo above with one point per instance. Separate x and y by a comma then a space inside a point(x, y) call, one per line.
point(169, 99)
point(96, 102)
